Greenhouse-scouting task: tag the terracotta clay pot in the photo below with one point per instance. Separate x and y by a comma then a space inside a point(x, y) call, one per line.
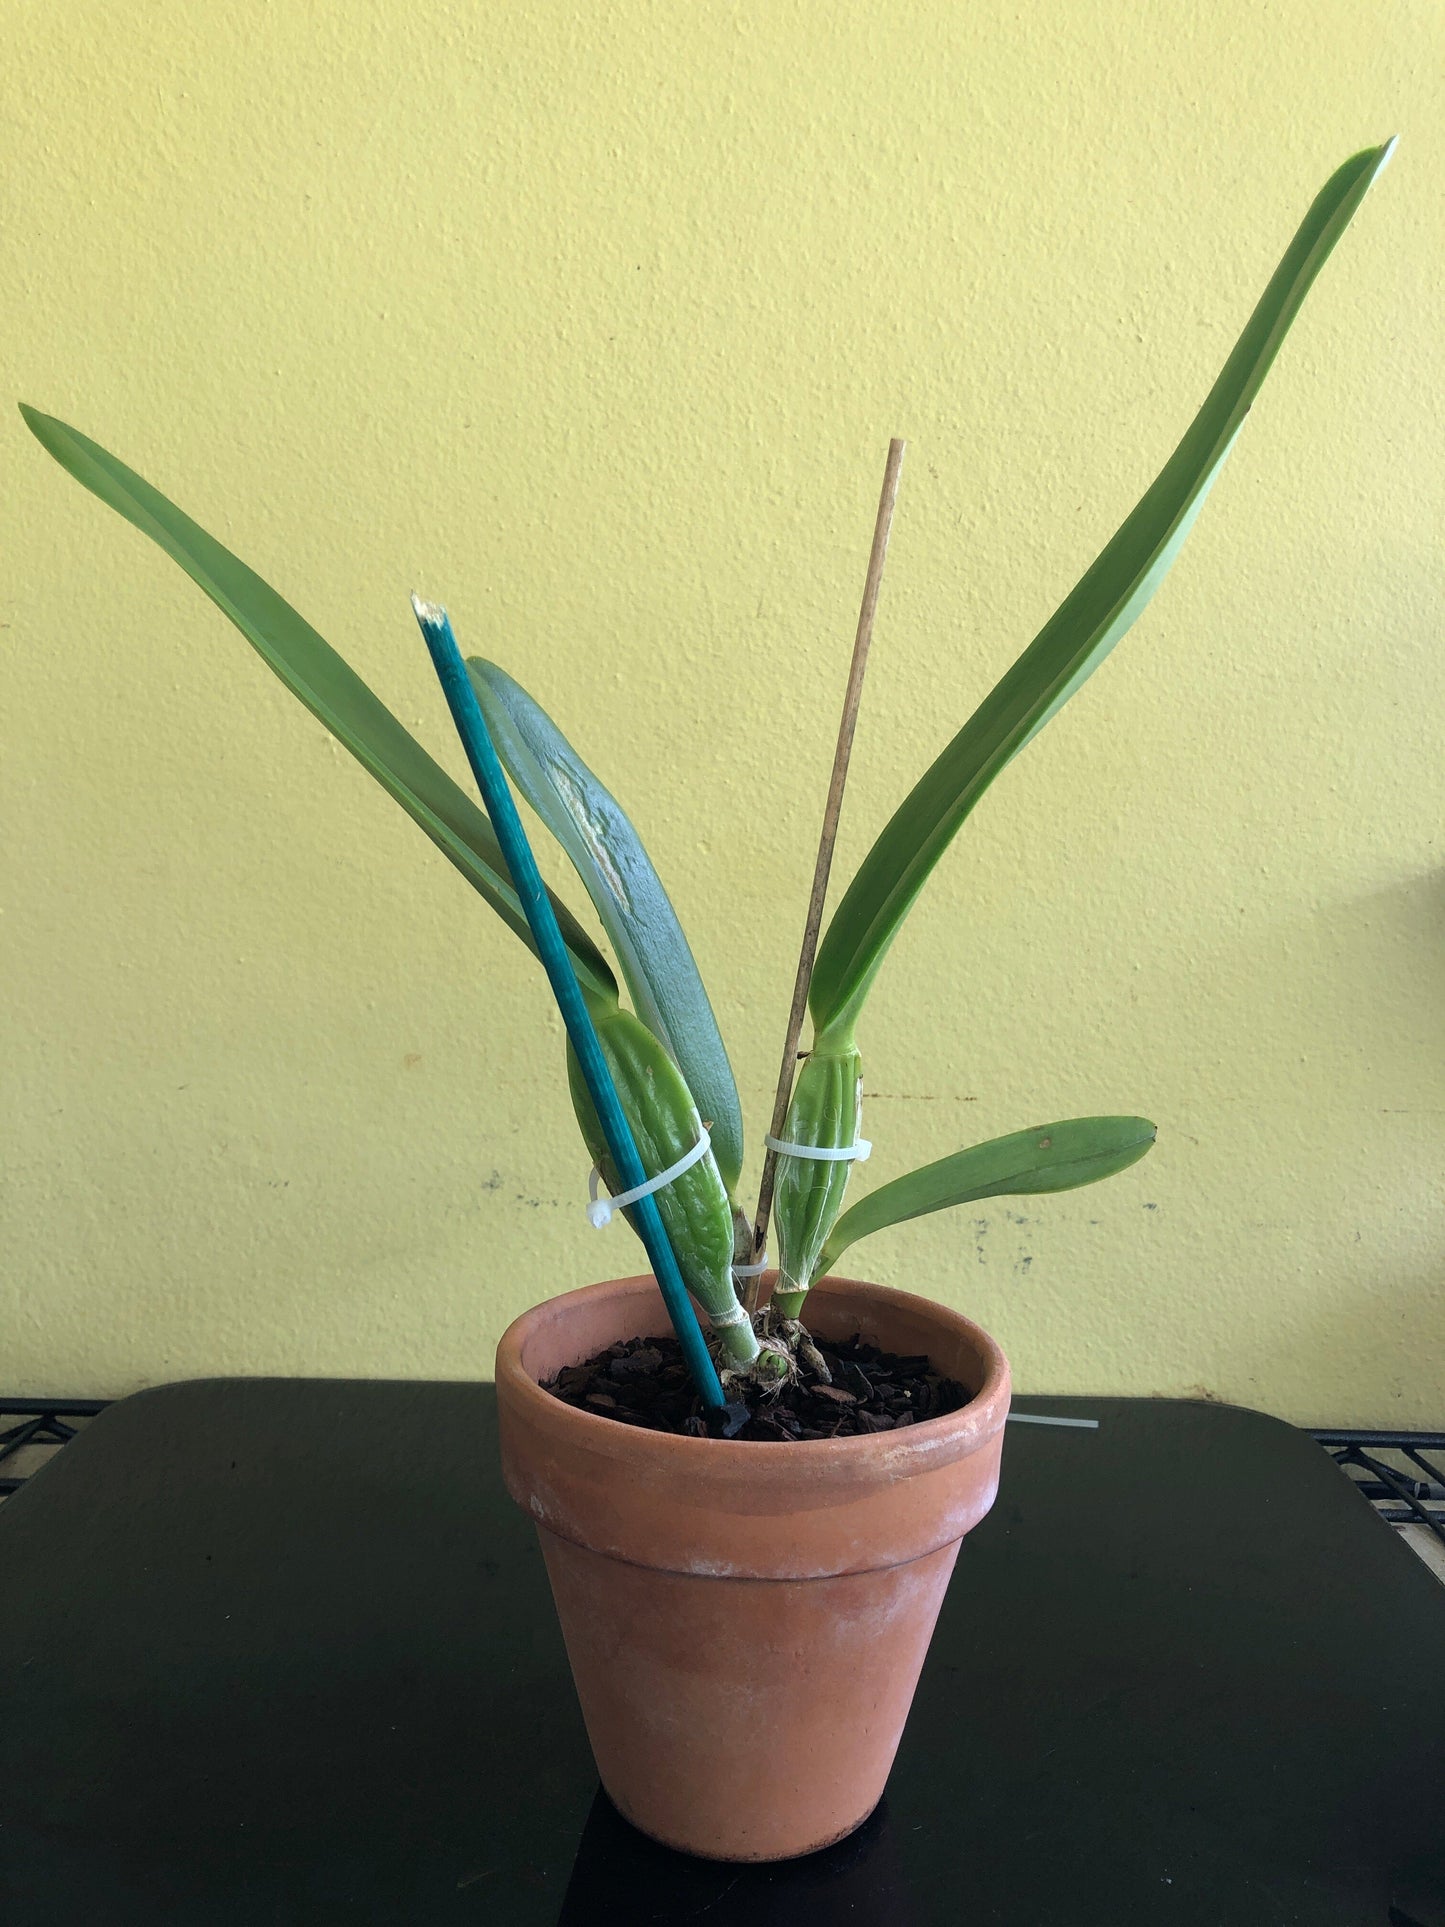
point(746, 1622)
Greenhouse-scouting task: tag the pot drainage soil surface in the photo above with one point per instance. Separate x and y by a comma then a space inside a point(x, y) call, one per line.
point(643, 1381)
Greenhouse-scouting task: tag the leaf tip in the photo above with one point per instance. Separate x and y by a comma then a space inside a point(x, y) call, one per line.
point(52, 434)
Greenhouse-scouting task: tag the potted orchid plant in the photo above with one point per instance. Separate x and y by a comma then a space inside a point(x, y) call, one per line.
point(704, 1584)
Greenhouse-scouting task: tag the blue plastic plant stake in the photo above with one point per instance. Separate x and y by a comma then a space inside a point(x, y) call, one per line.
point(486, 767)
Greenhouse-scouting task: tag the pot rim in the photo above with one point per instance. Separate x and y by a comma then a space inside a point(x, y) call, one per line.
point(931, 1441)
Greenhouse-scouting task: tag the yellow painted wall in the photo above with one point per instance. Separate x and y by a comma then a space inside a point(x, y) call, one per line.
point(596, 321)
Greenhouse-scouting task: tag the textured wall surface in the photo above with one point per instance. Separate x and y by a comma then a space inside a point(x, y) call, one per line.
point(596, 322)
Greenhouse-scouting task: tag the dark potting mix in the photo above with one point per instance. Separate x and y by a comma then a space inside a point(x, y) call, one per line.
point(643, 1381)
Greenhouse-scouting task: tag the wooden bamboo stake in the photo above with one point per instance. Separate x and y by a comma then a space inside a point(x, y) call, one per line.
point(831, 812)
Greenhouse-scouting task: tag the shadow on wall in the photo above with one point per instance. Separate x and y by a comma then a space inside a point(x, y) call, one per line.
point(1385, 1336)
point(1387, 950)
point(1394, 938)
point(1389, 1337)
point(1353, 990)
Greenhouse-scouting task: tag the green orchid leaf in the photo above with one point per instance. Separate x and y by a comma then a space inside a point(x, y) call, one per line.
point(607, 854)
point(313, 672)
point(1078, 636)
point(1051, 1157)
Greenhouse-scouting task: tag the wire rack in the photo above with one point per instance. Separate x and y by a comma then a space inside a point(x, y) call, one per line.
point(1390, 1469)
point(33, 1430)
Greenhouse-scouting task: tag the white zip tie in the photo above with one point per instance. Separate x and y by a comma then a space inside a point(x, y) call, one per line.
point(752, 1271)
point(859, 1151)
point(600, 1210)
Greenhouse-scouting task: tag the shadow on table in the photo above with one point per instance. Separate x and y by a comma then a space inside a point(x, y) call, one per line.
point(621, 1875)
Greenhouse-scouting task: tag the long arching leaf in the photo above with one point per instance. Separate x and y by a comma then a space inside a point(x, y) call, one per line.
point(330, 689)
point(1051, 1157)
point(607, 854)
point(1081, 632)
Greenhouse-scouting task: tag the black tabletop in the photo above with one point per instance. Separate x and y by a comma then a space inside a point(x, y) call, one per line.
point(280, 1651)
